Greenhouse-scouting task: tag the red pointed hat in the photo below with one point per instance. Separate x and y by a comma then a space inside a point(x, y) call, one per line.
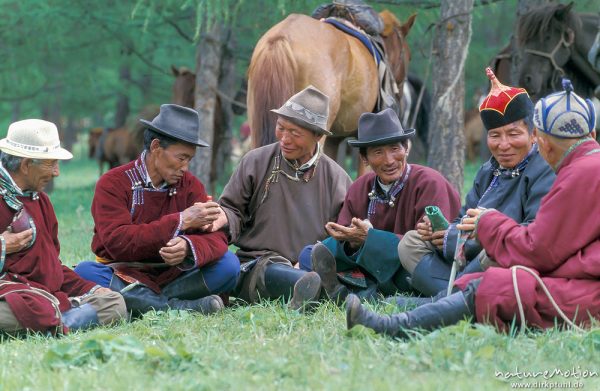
point(504, 104)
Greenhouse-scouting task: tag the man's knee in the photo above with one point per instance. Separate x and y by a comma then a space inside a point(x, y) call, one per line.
point(95, 272)
point(228, 272)
point(110, 306)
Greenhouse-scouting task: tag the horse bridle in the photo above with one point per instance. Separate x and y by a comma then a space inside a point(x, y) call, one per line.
point(550, 56)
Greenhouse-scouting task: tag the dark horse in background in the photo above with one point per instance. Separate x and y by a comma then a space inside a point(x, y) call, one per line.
point(299, 51)
point(554, 41)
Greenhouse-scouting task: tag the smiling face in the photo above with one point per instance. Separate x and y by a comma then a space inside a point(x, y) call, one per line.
point(296, 143)
point(170, 163)
point(387, 161)
point(509, 144)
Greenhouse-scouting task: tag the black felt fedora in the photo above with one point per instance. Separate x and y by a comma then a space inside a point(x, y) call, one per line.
point(380, 129)
point(181, 123)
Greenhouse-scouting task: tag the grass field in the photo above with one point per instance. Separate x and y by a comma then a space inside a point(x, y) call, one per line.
point(268, 347)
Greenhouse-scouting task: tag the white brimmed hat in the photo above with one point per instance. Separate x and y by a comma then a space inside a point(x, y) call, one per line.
point(34, 139)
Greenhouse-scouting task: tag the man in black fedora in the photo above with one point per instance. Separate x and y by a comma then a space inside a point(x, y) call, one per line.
point(279, 199)
point(361, 253)
point(149, 215)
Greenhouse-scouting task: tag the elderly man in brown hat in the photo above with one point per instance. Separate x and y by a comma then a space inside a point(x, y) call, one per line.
point(279, 200)
point(380, 207)
point(148, 217)
point(37, 292)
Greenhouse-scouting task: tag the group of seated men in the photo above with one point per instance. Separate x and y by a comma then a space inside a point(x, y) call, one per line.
point(526, 243)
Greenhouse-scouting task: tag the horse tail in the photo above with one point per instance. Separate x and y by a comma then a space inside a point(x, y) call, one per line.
point(270, 84)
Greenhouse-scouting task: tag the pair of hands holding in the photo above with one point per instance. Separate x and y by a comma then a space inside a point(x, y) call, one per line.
point(203, 216)
point(355, 234)
point(437, 238)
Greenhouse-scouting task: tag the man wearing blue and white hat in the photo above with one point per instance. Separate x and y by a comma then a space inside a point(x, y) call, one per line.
point(549, 270)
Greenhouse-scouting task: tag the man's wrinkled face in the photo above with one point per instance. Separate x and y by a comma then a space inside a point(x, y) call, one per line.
point(173, 161)
point(509, 144)
point(40, 174)
point(296, 143)
point(388, 161)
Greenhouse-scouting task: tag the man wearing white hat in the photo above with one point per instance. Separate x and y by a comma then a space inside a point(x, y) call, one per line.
point(549, 270)
point(37, 292)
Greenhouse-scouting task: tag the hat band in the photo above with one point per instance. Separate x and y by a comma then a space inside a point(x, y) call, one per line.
point(32, 148)
point(314, 118)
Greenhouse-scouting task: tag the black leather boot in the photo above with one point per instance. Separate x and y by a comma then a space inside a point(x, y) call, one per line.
point(323, 263)
point(80, 318)
point(446, 311)
point(284, 281)
point(189, 285)
point(140, 299)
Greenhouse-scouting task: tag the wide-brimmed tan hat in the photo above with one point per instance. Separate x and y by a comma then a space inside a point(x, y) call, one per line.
point(309, 109)
point(34, 139)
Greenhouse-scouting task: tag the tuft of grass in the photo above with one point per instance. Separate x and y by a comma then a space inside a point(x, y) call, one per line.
point(269, 347)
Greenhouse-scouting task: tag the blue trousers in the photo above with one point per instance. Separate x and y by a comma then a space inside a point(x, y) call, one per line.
point(219, 277)
point(304, 258)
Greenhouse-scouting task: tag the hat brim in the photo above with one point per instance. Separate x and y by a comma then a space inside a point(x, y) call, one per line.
point(57, 154)
point(408, 134)
point(298, 121)
point(198, 142)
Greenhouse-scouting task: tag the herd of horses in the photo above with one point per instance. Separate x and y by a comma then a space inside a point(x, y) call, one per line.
point(298, 51)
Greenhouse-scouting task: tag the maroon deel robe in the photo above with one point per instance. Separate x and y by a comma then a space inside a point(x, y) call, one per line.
point(424, 187)
point(38, 267)
point(120, 236)
point(562, 245)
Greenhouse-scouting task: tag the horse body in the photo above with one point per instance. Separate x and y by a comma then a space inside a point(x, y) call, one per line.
point(553, 42)
point(300, 51)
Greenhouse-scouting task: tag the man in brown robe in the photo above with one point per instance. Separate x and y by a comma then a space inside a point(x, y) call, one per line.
point(279, 200)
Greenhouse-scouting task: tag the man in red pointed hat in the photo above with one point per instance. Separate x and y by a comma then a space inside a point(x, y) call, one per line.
point(549, 270)
point(513, 181)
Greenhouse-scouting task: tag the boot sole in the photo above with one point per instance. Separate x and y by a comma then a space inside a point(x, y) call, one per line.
point(352, 304)
point(306, 290)
point(321, 256)
point(215, 305)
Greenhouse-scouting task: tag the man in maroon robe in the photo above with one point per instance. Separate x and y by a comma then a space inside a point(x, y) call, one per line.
point(37, 292)
point(380, 207)
point(549, 270)
point(148, 217)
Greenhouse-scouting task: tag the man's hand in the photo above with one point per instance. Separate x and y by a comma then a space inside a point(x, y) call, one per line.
point(424, 229)
point(355, 234)
point(218, 224)
point(468, 223)
point(175, 251)
point(200, 215)
point(17, 242)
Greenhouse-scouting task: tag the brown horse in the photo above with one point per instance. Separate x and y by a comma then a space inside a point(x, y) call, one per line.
point(299, 51)
point(553, 41)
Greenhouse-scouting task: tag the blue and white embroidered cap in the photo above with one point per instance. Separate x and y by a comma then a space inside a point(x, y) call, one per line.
point(564, 114)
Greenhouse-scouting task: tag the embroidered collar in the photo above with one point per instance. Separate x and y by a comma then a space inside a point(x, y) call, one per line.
point(378, 195)
point(10, 191)
point(143, 169)
point(306, 166)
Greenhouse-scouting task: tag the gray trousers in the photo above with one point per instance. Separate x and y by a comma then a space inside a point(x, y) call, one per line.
point(110, 307)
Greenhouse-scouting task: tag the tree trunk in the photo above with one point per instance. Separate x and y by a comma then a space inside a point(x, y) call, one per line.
point(122, 109)
point(208, 71)
point(451, 43)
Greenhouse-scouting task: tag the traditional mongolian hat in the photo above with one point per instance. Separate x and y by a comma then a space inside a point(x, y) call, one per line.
point(34, 139)
point(379, 129)
point(504, 105)
point(309, 109)
point(564, 114)
point(178, 122)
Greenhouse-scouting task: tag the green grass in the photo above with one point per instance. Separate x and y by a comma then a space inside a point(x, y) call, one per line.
point(266, 346)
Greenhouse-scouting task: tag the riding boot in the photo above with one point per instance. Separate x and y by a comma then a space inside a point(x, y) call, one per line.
point(190, 285)
point(401, 301)
point(282, 281)
point(80, 318)
point(140, 299)
point(323, 263)
point(446, 311)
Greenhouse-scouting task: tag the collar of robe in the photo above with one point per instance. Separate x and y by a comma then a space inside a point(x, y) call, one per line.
point(10, 191)
point(144, 178)
point(378, 196)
